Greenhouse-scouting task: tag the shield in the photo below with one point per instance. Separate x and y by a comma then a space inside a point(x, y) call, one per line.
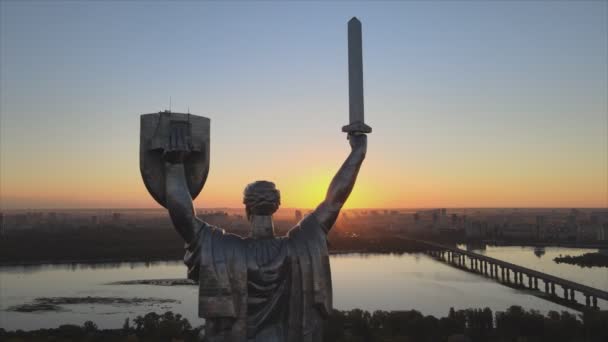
point(154, 138)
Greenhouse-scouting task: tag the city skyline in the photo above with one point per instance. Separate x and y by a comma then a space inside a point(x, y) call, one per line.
point(472, 104)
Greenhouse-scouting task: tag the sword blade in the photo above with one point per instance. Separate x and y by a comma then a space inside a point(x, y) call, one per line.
point(355, 71)
point(355, 80)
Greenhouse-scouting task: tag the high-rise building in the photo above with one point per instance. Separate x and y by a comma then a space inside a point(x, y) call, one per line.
point(51, 217)
point(435, 217)
point(602, 232)
point(540, 227)
point(298, 215)
point(473, 230)
point(116, 217)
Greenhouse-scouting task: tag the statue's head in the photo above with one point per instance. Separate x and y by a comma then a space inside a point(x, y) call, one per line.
point(261, 198)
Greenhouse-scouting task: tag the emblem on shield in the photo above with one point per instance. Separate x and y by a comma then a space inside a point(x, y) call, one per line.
point(154, 139)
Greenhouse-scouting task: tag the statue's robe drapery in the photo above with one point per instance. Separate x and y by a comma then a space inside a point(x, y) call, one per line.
point(276, 289)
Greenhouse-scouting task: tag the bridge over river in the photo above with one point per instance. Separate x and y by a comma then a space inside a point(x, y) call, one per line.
point(517, 276)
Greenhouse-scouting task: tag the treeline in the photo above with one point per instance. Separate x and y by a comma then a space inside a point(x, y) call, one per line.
point(515, 324)
point(90, 245)
point(112, 243)
point(473, 325)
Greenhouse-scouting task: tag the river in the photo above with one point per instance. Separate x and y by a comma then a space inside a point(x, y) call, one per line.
point(366, 281)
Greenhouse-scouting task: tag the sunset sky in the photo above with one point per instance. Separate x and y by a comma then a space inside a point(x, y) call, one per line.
point(473, 104)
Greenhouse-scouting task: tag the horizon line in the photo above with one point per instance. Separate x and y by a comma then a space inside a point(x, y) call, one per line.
point(302, 208)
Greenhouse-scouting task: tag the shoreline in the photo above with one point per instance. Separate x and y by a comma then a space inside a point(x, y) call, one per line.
point(542, 244)
point(86, 261)
point(333, 252)
point(147, 260)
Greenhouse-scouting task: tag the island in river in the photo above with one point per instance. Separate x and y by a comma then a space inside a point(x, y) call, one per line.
point(585, 260)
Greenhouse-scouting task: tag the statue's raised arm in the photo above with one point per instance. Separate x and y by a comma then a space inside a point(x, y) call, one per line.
point(179, 202)
point(342, 184)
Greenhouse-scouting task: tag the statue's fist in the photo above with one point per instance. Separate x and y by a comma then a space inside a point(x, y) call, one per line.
point(358, 141)
point(178, 148)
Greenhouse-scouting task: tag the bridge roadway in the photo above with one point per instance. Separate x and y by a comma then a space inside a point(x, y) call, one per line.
point(490, 267)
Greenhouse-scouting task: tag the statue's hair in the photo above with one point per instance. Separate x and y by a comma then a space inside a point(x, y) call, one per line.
point(261, 198)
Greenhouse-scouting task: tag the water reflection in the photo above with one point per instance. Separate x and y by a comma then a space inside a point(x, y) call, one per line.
point(539, 251)
point(366, 281)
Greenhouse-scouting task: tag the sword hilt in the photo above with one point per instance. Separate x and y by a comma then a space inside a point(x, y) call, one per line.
point(357, 127)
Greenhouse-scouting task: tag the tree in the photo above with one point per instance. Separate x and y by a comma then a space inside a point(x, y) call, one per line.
point(89, 327)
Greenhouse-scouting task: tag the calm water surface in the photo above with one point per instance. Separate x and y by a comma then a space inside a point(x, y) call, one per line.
point(370, 282)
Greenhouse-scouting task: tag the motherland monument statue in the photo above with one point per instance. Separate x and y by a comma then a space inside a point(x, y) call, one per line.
point(260, 287)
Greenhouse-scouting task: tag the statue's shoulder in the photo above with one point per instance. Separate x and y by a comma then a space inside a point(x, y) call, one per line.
point(309, 226)
point(207, 230)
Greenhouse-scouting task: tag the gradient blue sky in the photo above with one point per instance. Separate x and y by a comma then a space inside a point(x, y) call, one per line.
point(472, 103)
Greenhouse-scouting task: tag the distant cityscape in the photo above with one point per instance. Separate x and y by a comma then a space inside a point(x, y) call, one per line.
point(582, 226)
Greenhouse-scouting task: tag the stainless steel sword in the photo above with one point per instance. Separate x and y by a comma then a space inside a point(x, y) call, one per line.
point(355, 80)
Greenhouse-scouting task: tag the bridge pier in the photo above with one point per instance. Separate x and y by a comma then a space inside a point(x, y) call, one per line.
point(536, 283)
point(553, 289)
point(529, 282)
point(546, 287)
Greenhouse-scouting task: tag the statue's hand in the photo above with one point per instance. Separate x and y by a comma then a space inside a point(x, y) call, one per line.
point(179, 143)
point(358, 141)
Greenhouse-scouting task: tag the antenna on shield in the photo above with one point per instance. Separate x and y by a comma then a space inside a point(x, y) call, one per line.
point(169, 103)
